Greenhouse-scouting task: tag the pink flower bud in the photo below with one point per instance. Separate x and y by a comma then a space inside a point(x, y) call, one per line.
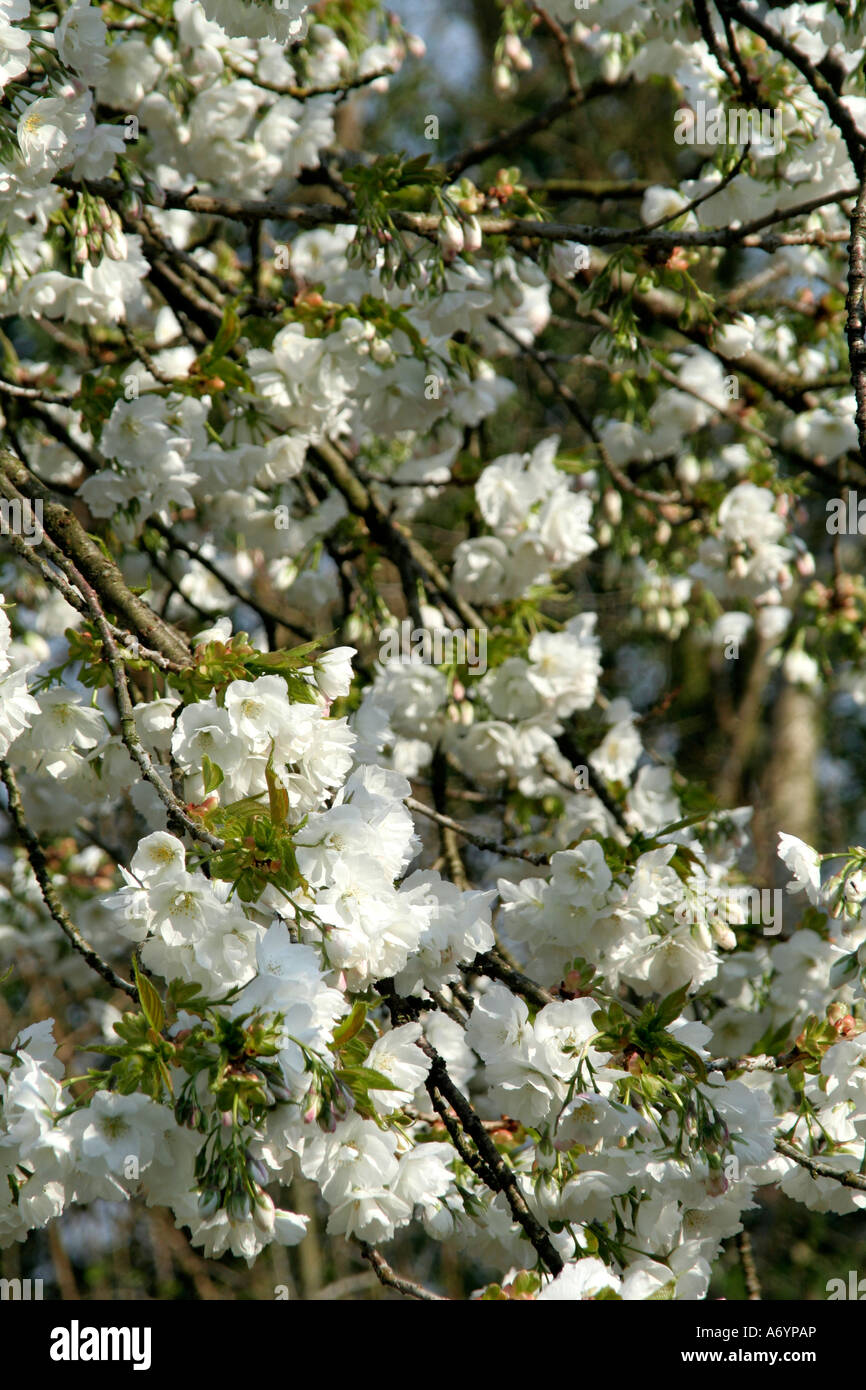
point(806, 565)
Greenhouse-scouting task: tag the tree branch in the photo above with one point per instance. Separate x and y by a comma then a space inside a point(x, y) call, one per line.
point(479, 841)
point(819, 1169)
point(129, 732)
point(387, 1276)
point(856, 315)
point(39, 865)
point(93, 563)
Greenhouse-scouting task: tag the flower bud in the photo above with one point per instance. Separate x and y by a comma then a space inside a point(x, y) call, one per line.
point(806, 564)
point(113, 248)
point(155, 194)
point(724, 935)
point(511, 46)
point(518, 56)
point(264, 1214)
point(239, 1206)
point(451, 238)
point(472, 237)
point(612, 505)
point(503, 79)
point(208, 1203)
point(131, 203)
point(257, 1171)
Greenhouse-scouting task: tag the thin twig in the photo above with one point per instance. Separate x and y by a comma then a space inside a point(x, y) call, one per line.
point(570, 400)
point(479, 841)
point(387, 1276)
point(750, 1269)
point(39, 865)
point(93, 563)
point(847, 1177)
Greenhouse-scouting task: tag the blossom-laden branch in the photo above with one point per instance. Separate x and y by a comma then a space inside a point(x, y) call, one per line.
point(847, 1177)
point(412, 559)
point(129, 733)
point(492, 964)
point(487, 1159)
point(500, 1175)
point(429, 225)
point(341, 90)
point(823, 89)
point(272, 617)
point(56, 578)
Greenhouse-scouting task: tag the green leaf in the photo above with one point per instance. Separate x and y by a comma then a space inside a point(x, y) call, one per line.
point(212, 775)
point(843, 969)
point(227, 335)
point(351, 1025)
point(151, 1004)
point(266, 663)
point(365, 1078)
point(186, 994)
point(300, 693)
point(132, 1028)
point(247, 805)
point(278, 797)
point(671, 1007)
point(775, 1040)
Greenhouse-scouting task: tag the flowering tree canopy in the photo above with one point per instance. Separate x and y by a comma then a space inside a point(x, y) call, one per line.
point(414, 556)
